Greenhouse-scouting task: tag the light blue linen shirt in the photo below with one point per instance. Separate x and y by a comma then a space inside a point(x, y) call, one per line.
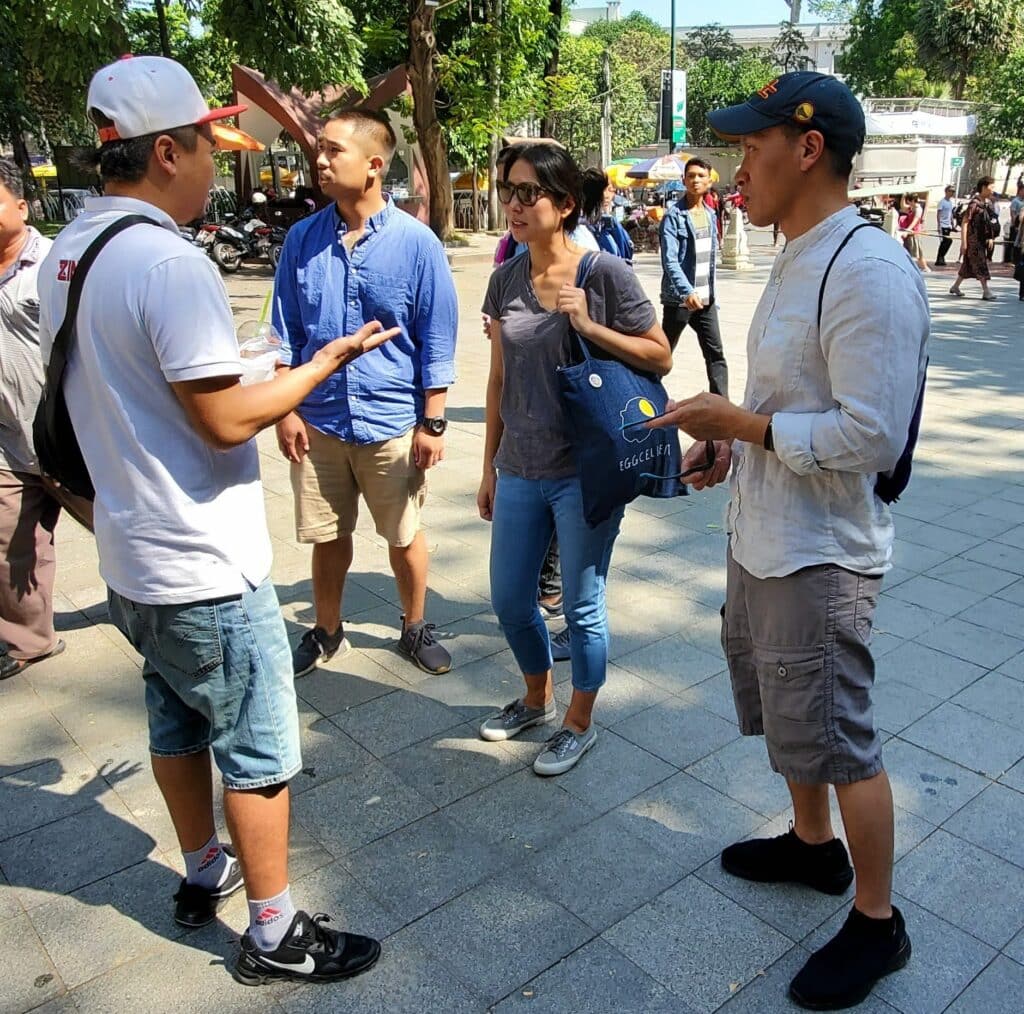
point(841, 402)
point(397, 273)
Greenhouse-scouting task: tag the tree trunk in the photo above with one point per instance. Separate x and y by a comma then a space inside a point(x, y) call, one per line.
point(496, 16)
point(476, 197)
point(423, 79)
point(547, 124)
point(160, 7)
point(21, 157)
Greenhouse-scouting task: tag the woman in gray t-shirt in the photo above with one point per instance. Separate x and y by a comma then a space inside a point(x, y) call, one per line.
point(530, 487)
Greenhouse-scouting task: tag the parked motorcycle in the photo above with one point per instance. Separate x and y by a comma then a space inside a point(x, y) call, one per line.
point(235, 242)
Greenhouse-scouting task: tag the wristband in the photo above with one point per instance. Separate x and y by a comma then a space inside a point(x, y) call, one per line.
point(769, 437)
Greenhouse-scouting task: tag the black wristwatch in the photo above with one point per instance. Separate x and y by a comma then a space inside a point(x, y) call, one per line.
point(434, 425)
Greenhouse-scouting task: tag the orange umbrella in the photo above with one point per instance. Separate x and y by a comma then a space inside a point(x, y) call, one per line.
point(232, 139)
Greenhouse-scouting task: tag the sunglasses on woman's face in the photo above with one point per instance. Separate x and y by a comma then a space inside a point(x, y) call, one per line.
point(528, 194)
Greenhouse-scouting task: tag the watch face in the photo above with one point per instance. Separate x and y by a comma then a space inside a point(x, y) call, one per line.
point(435, 426)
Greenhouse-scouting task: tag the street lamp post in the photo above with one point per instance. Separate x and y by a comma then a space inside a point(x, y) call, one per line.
point(672, 67)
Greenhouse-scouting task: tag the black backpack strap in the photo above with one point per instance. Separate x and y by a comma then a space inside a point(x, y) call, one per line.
point(839, 250)
point(64, 338)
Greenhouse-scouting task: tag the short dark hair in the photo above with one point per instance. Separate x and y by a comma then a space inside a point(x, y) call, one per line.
point(371, 123)
point(696, 160)
point(126, 160)
point(10, 177)
point(595, 183)
point(557, 172)
point(840, 162)
point(985, 181)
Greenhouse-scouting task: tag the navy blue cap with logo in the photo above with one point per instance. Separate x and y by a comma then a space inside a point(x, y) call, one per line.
point(803, 98)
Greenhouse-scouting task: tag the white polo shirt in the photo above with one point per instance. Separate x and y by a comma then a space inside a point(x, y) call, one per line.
point(176, 520)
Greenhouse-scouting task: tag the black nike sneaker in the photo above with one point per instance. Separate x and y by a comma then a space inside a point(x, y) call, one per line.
point(309, 952)
point(195, 906)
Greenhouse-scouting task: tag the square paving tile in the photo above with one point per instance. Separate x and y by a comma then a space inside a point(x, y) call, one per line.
point(672, 663)
point(973, 523)
point(935, 595)
point(996, 614)
point(108, 923)
point(346, 683)
point(595, 979)
point(586, 872)
point(963, 573)
point(678, 731)
point(997, 697)
point(92, 844)
point(31, 740)
point(477, 689)
point(998, 990)
point(407, 980)
point(358, 807)
point(521, 813)
point(998, 555)
point(29, 978)
point(422, 865)
point(698, 943)
point(1015, 777)
point(897, 704)
point(1013, 592)
point(969, 739)
point(687, 820)
point(613, 771)
point(386, 725)
point(452, 765)
point(326, 753)
point(944, 961)
point(904, 619)
point(970, 888)
point(993, 821)
point(715, 695)
point(967, 641)
point(927, 785)
point(497, 955)
point(742, 771)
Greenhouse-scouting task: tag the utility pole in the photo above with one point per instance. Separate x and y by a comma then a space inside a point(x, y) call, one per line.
point(606, 109)
point(794, 11)
point(671, 71)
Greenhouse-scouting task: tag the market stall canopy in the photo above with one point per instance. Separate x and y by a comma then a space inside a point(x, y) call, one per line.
point(464, 181)
point(662, 168)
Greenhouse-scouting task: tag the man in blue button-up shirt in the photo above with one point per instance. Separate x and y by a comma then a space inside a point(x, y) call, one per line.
point(376, 430)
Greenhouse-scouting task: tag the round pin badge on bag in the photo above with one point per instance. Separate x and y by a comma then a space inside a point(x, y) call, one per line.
point(595, 380)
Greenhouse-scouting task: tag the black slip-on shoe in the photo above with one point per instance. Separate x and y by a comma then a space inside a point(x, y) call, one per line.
point(309, 952)
point(843, 972)
point(786, 858)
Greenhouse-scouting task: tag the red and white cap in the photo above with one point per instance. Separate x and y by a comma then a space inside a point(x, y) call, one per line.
point(147, 94)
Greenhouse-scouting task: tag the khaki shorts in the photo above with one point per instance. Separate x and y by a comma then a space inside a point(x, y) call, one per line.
point(802, 672)
point(329, 480)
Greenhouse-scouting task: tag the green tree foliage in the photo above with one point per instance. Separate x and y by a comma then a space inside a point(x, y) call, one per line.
point(711, 84)
point(308, 44)
point(1001, 120)
point(577, 95)
point(958, 38)
point(835, 11)
point(638, 41)
point(881, 56)
point(789, 51)
point(712, 42)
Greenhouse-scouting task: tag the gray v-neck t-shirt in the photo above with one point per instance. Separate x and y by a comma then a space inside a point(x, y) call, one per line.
point(535, 443)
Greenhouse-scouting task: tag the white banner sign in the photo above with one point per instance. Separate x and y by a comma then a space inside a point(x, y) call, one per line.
point(918, 122)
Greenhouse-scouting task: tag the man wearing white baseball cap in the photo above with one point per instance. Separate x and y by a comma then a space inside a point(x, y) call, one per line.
point(166, 431)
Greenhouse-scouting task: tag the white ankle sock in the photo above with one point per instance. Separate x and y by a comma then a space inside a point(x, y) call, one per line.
point(207, 867)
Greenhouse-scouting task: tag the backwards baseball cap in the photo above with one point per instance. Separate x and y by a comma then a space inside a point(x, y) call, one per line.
point(148, 94)
point(803, 98)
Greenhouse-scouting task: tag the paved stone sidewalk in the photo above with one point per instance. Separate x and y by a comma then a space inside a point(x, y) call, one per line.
point(598, 891)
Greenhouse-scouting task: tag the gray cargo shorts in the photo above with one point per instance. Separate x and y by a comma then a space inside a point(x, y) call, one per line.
point(801, 670)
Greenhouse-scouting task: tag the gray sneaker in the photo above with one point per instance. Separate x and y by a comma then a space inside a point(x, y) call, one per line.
point(514, 718)
point(563, 750)
point(560, 646)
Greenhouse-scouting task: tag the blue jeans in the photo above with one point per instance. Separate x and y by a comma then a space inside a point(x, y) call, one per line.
point(526, 511)
point(218, 676)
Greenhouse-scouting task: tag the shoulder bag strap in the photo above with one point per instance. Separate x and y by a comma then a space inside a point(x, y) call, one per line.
point(839, 250)
point(582, 274)
point(64, 338)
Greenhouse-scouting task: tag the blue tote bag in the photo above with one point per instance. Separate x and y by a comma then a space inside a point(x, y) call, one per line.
point(606, 402)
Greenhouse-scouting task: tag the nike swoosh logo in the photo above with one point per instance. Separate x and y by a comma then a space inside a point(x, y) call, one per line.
point(308, 966)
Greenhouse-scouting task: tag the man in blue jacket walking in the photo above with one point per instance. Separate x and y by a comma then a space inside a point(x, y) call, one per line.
point(688, 242)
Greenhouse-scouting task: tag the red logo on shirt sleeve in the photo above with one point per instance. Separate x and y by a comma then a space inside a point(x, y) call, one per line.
point(65, 270)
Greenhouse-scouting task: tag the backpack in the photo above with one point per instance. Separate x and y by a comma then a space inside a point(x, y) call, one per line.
point(889, 486)
point(958, 214)
point(992, 227)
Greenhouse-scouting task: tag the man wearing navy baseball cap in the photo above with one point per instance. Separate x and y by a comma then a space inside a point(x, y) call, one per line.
point(820, 447)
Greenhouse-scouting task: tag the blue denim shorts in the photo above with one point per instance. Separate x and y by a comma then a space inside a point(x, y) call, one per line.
point(218, 676)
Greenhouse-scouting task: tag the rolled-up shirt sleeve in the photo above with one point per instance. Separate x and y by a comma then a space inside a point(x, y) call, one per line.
point(437, 319)
point(875, 362)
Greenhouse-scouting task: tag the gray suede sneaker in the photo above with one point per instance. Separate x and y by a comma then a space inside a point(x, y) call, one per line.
point(563, 750)
point(514, 718)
